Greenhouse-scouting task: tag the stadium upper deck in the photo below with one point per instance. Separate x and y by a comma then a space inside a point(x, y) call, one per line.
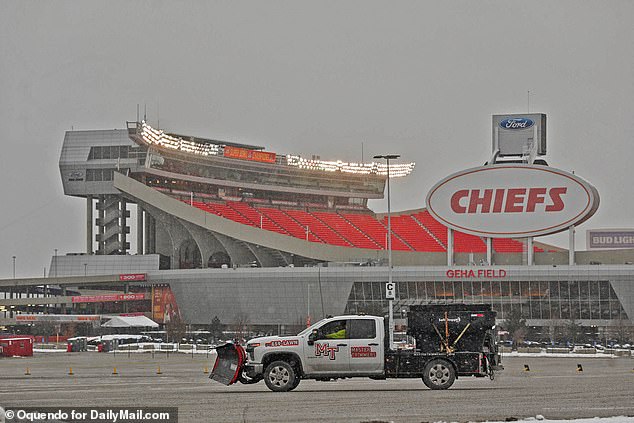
point(237, 171)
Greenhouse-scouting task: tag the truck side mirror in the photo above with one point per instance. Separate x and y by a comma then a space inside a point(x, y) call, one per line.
point(313, 337)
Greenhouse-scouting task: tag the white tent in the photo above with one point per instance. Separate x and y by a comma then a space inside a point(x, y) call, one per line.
point(130, 322)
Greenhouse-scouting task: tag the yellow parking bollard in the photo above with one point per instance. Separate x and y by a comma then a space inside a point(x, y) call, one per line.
point(206, 371)
point(27, 372)
point(70, 372)
point(158, 371)
point(114, 371)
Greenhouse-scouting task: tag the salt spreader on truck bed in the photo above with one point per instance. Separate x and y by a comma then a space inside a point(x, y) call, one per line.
point(450, 341)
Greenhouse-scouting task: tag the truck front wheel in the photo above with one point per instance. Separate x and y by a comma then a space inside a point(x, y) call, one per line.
point(439, 374)
point(279, 376)
point(296, 383)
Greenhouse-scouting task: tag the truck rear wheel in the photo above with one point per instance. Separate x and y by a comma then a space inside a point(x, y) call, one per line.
point(279, 376)
point(439, 374)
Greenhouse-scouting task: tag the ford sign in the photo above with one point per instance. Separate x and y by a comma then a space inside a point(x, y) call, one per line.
point(512, 201)
point(516, 123)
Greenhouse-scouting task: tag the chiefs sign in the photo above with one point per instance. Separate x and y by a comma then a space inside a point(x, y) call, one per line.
point(512, 201)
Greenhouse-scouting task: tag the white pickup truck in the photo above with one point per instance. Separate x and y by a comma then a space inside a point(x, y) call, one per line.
point(450, 342)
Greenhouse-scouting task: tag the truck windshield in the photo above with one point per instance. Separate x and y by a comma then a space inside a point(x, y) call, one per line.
point(310, 328)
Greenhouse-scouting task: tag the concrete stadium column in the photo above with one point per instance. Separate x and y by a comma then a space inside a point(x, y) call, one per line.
point(489, 251)
point(123, 225)
point(153, 235)
point(89, 224)
point(529, 251)
point(206, 241)
point(571, 245)
point(102, 218)
point(449, 247)
point(139, 229)
point(126, 290)
point(63, 305)
point(150, 235)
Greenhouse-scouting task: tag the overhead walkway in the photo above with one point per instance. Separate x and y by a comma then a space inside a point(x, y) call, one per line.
point(63, 300)
point(62, 281)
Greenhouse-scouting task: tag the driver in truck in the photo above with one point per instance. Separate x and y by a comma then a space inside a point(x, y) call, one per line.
point(337, 331)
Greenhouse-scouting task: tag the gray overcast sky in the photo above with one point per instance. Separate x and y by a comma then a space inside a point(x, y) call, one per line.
point(419, 78)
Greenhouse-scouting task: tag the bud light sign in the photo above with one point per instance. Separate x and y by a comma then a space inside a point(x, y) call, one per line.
point(516, 123)
point(512, 201)
point(610, 238)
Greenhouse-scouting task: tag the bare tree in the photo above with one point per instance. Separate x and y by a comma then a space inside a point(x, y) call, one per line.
point(216, 328)
point(515, 324)
point(573, 331)
point(175, 329)
point(241, 325)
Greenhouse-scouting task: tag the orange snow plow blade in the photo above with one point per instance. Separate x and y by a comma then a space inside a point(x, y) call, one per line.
point(229, 363)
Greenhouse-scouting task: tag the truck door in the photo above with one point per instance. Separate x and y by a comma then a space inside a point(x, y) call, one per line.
point(329, 353)
point(365, 346)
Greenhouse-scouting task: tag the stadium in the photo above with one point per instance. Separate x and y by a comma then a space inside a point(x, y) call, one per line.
point(252, 237)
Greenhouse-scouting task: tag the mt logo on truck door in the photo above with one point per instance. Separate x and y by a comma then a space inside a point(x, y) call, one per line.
point(326, 350)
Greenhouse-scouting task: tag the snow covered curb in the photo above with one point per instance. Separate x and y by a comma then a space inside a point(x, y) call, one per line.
point(539, 418)
point(563, 355)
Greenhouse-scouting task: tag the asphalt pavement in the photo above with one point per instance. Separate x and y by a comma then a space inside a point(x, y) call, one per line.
point(553, 388)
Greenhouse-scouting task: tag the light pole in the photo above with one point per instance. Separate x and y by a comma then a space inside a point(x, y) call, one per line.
point(11, 290)
point(387, 158)
point(55, 262)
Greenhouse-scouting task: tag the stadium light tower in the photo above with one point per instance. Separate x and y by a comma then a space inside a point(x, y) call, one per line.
point(387, 158)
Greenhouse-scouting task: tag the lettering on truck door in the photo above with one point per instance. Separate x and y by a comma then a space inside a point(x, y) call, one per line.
point(365, 350)
point(329, 353)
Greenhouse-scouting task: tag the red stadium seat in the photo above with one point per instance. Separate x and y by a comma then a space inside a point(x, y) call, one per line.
point(418, 231)
point(347, 230)
point(410, 231)
point(318, 227)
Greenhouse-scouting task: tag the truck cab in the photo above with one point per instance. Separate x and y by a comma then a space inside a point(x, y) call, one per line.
point(341, 346)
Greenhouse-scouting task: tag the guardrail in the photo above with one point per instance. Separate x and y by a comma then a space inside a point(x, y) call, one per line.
point(143, 347)
point(565, 350)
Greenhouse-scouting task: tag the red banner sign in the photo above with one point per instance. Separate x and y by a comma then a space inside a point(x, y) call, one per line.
point(63, 318)
point(253, 155)
point(165, 309)
point(132, 277)
point(108, 297)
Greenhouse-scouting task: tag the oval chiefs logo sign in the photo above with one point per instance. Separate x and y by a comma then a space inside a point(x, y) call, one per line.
point(512, 201)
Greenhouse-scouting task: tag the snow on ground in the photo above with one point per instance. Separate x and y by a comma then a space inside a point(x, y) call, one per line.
point(563, 355)
point(617, 419)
